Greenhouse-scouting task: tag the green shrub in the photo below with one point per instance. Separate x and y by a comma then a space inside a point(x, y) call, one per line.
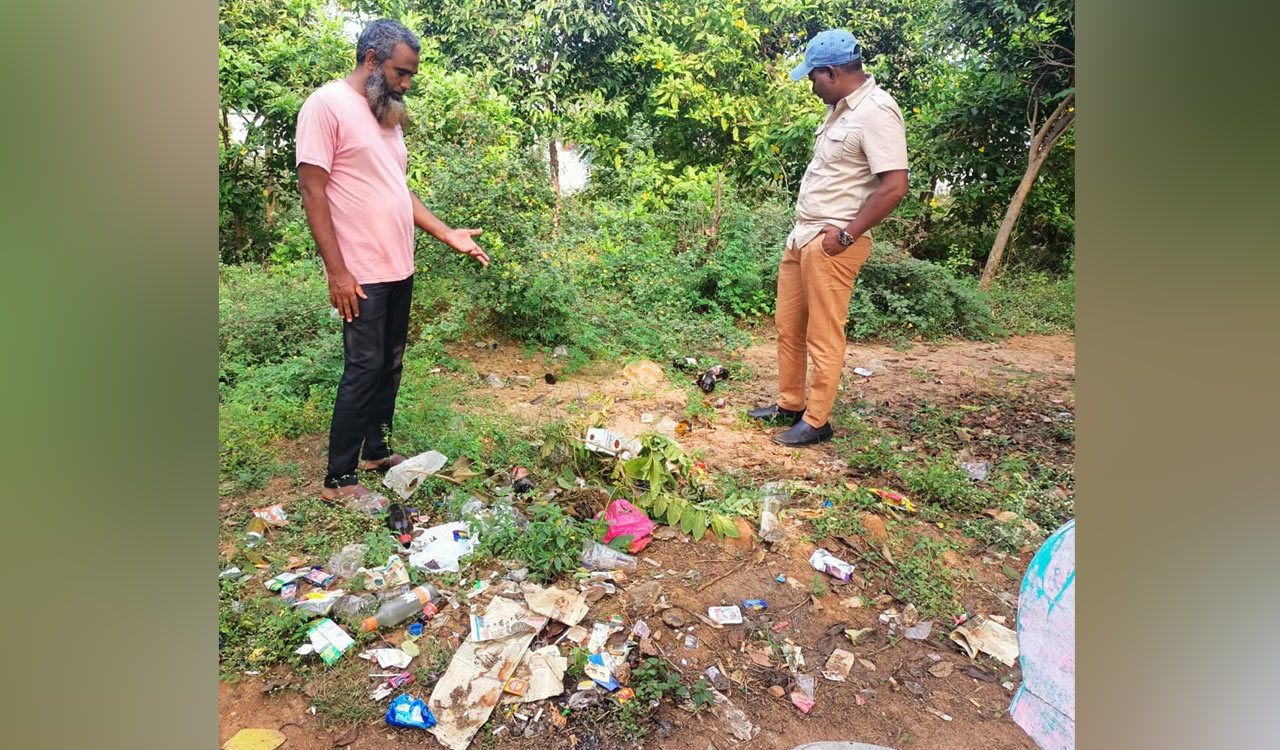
point(1034, 302)
point(899, 297)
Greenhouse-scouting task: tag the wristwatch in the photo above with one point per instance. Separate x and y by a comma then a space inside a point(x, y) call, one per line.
point(845, 238)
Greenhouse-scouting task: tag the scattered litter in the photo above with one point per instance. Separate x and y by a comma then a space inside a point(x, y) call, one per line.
point(600, 634)
point(274, 515)
point(855, 634)
point(610, 443)
point(280, 581)
point(405, 477)
point(390, 575)
point(328, 640)
point(894, 500)
point(577, 634)
point(782, 578)
point(640, 629)
point(490, 628)
point(707, 381)
point(937, 713)
point(919, 631)
point(586, 698)
point(232, 572)
point(977, 470)
point(755, 605)
point(864, 372)
point(255, 739)
point(983, 635)
point(734, 720)
point(347, 561)
point(793, 655)
point(438, 549)
point(466, 694)
point(560, 351)
point(409, 647)
point(625, 519)
point(561, 605)
point(388, 657)
point(515, 687)
point(647, 418)
point(691, 641)
point(770, 529)
point(319, 578)
point(493, 381)
point(600, 667)
point(254, 533)
point(422, 599)
point(803, 696)
point(825, 562)
point(624, 695)
point(542, 673)
point(779, 626)
point(407, 711)
point(381, 693)
point(319, 602)
point(725, 615)
point(838, 665)
point(355, 605)
point(600, 557)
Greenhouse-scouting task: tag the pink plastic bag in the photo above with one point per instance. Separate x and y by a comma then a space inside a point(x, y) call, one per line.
point(625, 518)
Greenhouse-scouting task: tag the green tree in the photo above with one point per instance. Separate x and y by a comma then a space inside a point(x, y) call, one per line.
point(271, 55)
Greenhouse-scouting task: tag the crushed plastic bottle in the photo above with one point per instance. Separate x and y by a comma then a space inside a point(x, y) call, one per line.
point(254, 533)
point(371, 505)
point(400, 523)
point(708, 380)
point(600, 557)
point(770, 528)
point(347, 561)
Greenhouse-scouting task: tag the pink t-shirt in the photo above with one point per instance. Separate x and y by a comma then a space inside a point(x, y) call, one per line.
point(368, 196)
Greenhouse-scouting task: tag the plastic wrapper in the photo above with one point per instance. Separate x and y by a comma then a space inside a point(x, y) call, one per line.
point(407, 711)
point(405, 477)
point(625, 519)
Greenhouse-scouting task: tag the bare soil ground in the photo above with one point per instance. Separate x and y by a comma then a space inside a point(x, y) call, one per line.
point(894, 703)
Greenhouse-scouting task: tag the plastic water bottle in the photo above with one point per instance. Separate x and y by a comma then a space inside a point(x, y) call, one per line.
point(397, 610)
point(600, 557)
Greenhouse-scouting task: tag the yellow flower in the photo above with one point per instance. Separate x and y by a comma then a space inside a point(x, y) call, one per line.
point(916, 110)
point(908, 283)
point(658, 65)
point(981, 149)
point(775, 148)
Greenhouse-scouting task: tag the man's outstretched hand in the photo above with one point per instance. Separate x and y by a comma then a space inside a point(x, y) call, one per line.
point(460, 240)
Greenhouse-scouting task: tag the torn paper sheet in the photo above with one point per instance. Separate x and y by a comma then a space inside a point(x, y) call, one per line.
point(543, 671)
point(471, 687)
point(388, 657)
point(568, 607)
point(489, 629)
point(981, 634)
point(438, 549)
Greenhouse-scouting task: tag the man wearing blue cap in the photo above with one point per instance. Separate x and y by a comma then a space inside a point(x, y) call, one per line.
point(856, 178)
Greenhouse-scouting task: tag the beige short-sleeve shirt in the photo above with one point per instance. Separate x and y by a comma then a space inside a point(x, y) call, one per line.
point(863, 134)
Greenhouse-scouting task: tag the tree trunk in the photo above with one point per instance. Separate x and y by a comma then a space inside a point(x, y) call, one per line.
point(554, 153)
point(1041, 143)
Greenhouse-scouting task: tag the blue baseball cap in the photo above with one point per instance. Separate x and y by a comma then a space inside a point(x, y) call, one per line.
point(829, 47)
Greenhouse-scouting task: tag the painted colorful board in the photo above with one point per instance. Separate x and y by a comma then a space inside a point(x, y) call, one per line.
point(1045, 704)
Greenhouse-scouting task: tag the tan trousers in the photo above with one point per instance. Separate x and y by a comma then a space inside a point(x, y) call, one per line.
point(813, 307)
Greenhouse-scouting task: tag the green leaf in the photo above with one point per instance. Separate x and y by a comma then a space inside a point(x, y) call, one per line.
point(686, 521)
point(700, 527)
point(673, 513)
point(659, 505)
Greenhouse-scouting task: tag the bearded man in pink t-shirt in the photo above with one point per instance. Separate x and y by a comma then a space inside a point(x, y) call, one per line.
point(352, 167)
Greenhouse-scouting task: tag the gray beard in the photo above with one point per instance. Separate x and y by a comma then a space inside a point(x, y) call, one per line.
point(388, 110)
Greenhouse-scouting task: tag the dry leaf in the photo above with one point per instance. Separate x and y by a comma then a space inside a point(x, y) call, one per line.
point(942, 669)
point(867, 665)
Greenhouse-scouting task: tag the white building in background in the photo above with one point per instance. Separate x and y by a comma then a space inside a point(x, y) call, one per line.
point(575, 167)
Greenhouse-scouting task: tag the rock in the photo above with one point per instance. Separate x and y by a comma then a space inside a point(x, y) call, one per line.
point(776, 691)
point(746, 540)
point(644, 596)
point(560, 351)
point(674, 618)
point(524, 381)
point(644, 373)
point(867, 665)
point(852, 602)
point(664, 533)
point(874, 528)
point(494, 381)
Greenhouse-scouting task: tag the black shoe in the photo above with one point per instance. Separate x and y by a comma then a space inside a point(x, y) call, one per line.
point(775, 413)
point(803, 433)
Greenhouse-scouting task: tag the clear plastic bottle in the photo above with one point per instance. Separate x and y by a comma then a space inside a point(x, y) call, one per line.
point(255, 532)
point(599, 557)
point(397, 610)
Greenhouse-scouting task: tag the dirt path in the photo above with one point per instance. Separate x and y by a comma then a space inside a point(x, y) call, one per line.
point(893, 704)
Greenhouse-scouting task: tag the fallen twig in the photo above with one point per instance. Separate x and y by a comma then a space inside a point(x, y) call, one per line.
point(720, 578)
